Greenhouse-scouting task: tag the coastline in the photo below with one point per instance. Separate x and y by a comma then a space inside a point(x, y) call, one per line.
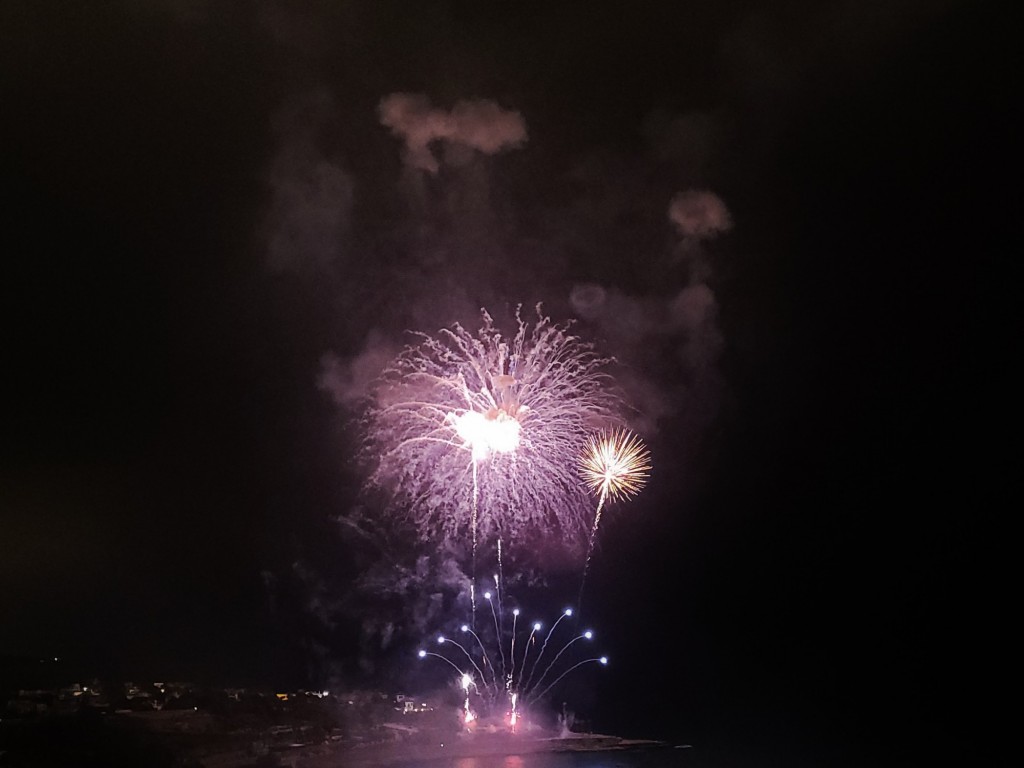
point(397, 753)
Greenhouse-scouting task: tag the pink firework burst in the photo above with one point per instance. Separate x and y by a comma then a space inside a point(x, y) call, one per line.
point(483, 432)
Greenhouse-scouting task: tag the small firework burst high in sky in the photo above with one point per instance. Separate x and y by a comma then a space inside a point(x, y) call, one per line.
point(614, 465)
point(477, 435)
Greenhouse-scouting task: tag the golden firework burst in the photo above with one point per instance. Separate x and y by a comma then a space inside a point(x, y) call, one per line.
point(615, 464)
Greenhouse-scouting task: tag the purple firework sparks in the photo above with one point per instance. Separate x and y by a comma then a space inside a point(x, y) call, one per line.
point(462, 422)
point(503, 677)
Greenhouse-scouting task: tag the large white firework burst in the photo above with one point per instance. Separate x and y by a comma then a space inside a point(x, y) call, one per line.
point(462, 422)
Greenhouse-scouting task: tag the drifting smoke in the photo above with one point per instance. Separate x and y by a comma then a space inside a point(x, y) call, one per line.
point(700, 215)
point(643, 330)
point(480, 125)
point(396, 600)
point(625, 320)
point(634, 330)
point(695, 312)
point(350, 380)
point(311, 195)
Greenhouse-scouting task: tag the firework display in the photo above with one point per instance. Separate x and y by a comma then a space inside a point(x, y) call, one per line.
point(614, 465)
point(505, 439)
point(480, 434)
point(496, 679)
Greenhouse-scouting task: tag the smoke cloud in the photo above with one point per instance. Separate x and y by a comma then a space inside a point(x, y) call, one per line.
point(481, 125)
point(699, 214)
point(645, 332)
point(348, 380)
point(311, 195)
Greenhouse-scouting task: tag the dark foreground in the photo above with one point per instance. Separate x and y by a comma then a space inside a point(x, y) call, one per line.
point(186, 740)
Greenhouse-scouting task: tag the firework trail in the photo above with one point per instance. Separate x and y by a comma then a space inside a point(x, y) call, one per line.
point(614, 465)
point(490, 425)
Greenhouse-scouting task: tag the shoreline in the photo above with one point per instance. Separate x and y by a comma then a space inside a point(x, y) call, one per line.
point(481, 746)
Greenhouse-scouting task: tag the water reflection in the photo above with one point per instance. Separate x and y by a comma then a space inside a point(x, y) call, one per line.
point(490, 761)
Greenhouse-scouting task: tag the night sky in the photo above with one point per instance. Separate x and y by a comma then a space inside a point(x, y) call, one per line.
point(211, 241)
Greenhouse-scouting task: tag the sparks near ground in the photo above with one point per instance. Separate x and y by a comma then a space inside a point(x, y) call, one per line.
point(507, 671)
point(477, 435)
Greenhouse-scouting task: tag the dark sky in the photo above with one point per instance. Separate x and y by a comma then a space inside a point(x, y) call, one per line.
point(201, 203)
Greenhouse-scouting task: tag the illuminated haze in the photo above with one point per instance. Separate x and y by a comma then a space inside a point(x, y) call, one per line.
point(468, 239)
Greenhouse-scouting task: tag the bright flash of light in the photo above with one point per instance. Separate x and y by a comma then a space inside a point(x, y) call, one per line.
point(615, 464)
point(487, 433)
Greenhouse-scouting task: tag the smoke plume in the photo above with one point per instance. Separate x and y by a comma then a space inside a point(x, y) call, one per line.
point(311, 194)
point(480, 125)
